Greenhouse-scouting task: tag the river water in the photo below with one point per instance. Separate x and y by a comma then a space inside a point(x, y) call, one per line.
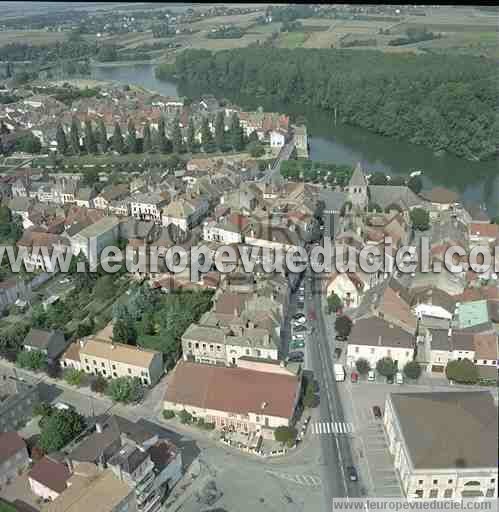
point(476, 181)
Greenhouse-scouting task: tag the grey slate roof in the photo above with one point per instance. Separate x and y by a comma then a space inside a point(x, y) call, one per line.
point(425, 420)
point(385, 195)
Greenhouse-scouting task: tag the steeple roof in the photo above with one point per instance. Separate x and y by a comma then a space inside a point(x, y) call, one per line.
point(358, 179)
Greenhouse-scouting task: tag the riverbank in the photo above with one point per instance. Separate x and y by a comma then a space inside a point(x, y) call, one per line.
point(348, 145)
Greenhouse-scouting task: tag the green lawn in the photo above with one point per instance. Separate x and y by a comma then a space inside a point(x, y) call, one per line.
point(292, 39)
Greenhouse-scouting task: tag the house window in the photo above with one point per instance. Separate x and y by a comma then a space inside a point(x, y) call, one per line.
point(204, 345)
point(448, 493)
point(434, 493)
point(95, 362)
point(86, 360)
point(419, 493)
point(114, 367)
point(103, 365)
point(211, 348)
point(420, 482)
point(450, 481)
point(435, 482)
point(219, 348)
point(115, 374)
point(372, 351)
point(475, 361)
point(197, 345)
point(103, 372)
point(484, 361)
point(88, 368)
point(189, 344)
point(247, 352)
point(129, 371)
point(356, 350)
point(492, 480)
point(490, 493)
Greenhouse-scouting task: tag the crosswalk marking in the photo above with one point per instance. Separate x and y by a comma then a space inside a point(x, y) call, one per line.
point(307, 480)
point(334, 427)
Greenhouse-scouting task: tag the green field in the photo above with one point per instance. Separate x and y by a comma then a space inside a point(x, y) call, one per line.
point(292, 39)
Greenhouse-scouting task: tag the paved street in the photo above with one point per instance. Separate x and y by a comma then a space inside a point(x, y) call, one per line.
point(335, 446)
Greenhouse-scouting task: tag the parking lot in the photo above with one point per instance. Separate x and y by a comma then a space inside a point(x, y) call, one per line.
point(370, 446)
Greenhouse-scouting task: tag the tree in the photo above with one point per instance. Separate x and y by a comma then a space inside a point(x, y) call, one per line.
point(74, 377)
point(236, 133)
point(285, 435)
point(105, 287)
point(220, 130)
point(462, 372)
point(131, 140)
point(59, 429)
point(343, 325)
point(206, 137)
point(85, 328)
point(184, 417)
point(386, 367)
point(191, 140)
point(168, 414)
point(147, 143)
point(333, 303)
point(124, 331)
point(99, 384)
point(412, 370)
point(415, 183)
point(495, 220)
point(31, 360)
point(74, 136)
point(162, 144)
point(102, 135)
point(125, 389)
point(309, 397)
point(60, 137)
point(363, 366)
point(177, 140)
point(420, 219)
point(256, 149)
point(29, 143)
point(117, 139)
point(90, 142)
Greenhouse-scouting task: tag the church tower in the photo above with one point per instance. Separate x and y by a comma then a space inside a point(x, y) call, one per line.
point(357, 189)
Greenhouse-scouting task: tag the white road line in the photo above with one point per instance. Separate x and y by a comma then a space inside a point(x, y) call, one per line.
point(327, 428)
point(340, 428)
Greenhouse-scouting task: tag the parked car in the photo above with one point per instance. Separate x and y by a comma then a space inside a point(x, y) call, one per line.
point(340, 338)
point(377, 411)
point(299, 316)
point(312, 316)
point(354, 377)
point(371, 376)
point(352, 473)
point(299, 328)
point(390, 379)
point(298, 335)
point(297, 344)
point(295, 357)
point(337, 352)
point(399, 378)
point(63, 406)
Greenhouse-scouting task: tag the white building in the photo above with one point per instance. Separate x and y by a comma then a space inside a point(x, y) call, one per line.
point(444, 444)
point(225, 232)
point(147, 206)
point(374, 338)
point(184, 213)
point(277, 138)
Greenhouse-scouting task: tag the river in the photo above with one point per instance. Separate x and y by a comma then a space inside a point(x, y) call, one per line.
point(475, 181)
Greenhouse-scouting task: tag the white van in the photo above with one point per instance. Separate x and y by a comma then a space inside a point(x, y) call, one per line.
point(371, 376)
point(399, 378)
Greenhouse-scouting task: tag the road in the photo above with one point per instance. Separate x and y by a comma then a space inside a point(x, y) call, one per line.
point(274, 174)
point(336, 448)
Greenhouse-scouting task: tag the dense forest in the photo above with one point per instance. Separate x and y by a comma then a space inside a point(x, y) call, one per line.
point(445, 102)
